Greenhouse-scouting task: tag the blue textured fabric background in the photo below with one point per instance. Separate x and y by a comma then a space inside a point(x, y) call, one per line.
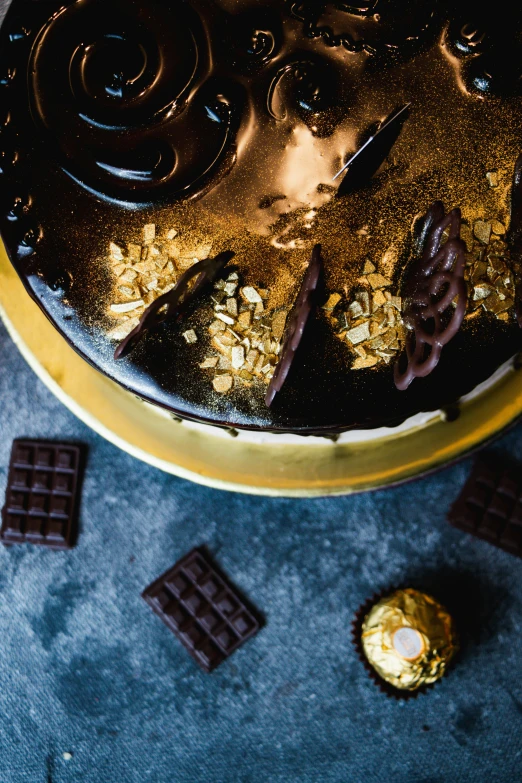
point(88, 671)
point(86, 668)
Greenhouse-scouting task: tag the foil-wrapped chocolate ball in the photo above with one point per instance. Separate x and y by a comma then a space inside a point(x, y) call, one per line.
point(409, 639)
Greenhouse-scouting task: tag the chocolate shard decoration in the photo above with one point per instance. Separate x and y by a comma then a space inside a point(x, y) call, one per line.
point(435, 295)
point(490, 506)
point(42, 494)
point(364, 163)
point(514, 236)
point(176, 300)
point(296, 325)
point(198, 603)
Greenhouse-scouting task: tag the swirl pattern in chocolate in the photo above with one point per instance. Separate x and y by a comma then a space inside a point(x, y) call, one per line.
point(128, 99)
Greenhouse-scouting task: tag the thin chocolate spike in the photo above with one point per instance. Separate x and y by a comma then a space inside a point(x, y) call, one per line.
point(174, 301)
point(296, 325)
point(361, 166)
point(435, 281)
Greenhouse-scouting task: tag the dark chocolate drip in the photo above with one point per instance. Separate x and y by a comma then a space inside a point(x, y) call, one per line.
point(515, 235)
point(436, 280)
point(174, 301)
point(296, 325)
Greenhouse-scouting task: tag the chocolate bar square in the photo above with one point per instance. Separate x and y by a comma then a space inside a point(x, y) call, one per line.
point(42, 494)
point(490, 506)
point(198, 603)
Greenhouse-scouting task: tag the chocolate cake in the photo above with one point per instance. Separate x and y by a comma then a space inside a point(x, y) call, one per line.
point(283, 216)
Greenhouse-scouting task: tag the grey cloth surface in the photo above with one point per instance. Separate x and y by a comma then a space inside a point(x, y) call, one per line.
point(86, 668)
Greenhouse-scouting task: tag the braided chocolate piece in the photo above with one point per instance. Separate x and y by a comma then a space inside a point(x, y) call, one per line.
point(174, 301)
point(296, 325)
point(435, 295)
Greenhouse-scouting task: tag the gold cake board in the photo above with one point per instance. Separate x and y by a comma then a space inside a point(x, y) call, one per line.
point(304, 470)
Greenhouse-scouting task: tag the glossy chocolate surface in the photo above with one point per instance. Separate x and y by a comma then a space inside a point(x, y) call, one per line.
point(234, 116)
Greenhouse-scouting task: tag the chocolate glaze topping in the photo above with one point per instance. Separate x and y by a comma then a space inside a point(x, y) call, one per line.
point(227, 122)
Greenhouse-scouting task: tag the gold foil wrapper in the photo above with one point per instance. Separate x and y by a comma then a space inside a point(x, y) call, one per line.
point(409, 639)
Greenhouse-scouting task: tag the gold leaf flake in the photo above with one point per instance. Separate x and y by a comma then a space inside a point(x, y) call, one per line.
point(126, 290)
point(497, 227)
point(222, 383)
point(378, 300)
point(362, 364)
point(145, 266)
point(368, 268)
point(227, 319)
point(149, 233)
point(127, 307)
point(251, 295)
point(279, 323)
point(128, 276)
point(494, 304)
point(115, 251)
point(232, 307)
point(259, 308)
point(219, 345)
point(359, 333)
point(355, 309)
point(378, 281)
point(171, 233)
point(227, 339)
point(238, 357)
point(134, 253)
point(224, 363)
point(230, 289)
point(209, 363)
point(482, 230)
point(482, 291)
point(492, 178)
point(190, 336)
point(333, 301)
point(259, 364)
point(216, 326)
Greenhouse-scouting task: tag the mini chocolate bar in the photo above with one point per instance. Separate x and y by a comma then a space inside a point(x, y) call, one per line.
point(42, 493)
point(198, 603)
point(490, 506)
